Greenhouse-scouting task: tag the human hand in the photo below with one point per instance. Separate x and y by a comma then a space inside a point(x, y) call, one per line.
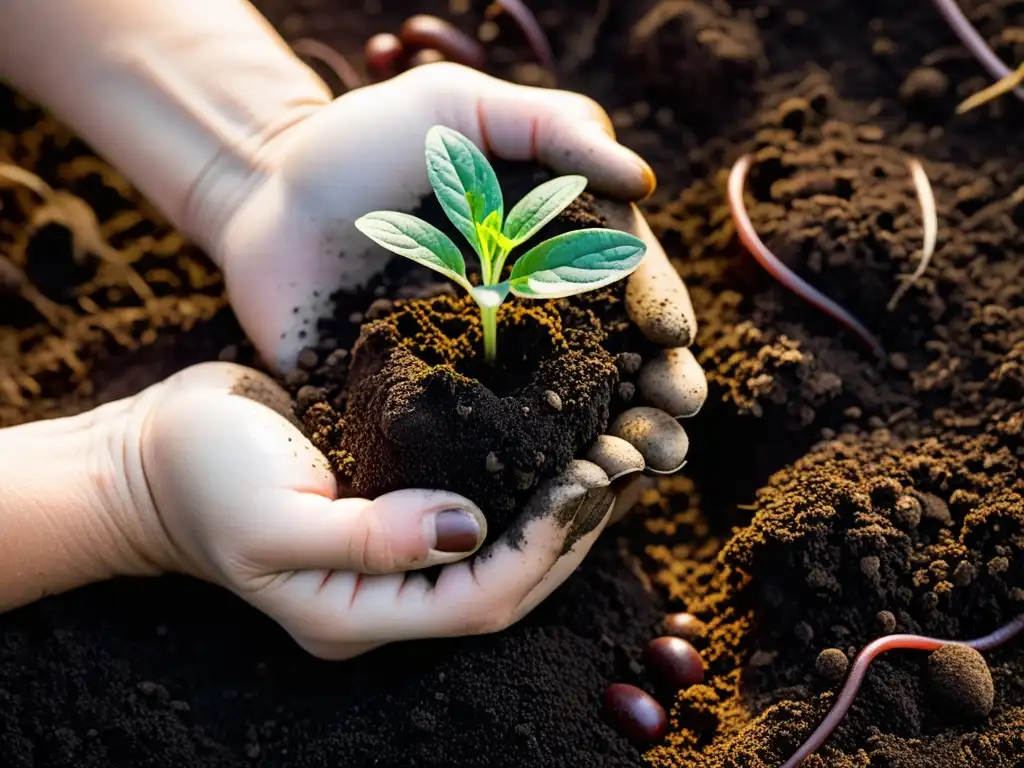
point(290, 242)
point(228, 490)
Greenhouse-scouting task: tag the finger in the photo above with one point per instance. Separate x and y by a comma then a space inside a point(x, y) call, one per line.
point(567, 564)
point(674, 382)
point(629, 495)
point(399, 531)
point(656, 299)
point(471, 597)
point(659, 438)
point(567, 131)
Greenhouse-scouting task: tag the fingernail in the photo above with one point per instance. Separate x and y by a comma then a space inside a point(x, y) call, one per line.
point(650, 180)
point(457, 531)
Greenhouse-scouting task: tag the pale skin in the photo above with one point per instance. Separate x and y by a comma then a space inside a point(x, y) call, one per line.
point(265, 171)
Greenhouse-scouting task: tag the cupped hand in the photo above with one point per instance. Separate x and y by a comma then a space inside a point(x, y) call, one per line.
point(291, 241)
point(237, 496)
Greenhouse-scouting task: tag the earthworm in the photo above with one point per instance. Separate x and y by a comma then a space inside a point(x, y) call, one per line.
point(337, 63)
point(749, 237)
point(532, 30)
point(427, 31)
point(976, 44)
point(930, 219)
point(860, 667)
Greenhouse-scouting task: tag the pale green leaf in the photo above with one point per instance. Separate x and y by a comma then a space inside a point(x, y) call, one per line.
point(415, 239)
point(463, 180)
point(541, 205)
point(576, 262)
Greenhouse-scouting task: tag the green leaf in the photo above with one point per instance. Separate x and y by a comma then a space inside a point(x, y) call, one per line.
point(490, 235)
point(576, 262)
point(542, 205)
point(463, 181)
point(417, 240)
point(490, 296)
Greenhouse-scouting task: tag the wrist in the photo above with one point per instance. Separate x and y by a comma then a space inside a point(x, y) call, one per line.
point(72, 509)
point(183, 98)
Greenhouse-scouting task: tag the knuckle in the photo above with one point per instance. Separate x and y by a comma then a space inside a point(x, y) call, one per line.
point(373, 551)
point(491, 620)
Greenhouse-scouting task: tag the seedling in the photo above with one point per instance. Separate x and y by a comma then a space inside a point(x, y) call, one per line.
point(467, 188)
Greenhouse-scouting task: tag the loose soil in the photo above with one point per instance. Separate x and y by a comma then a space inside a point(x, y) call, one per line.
point(828, 500)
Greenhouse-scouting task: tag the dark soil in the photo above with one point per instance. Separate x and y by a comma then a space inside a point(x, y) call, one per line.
point(415, 405)
point(828, 499)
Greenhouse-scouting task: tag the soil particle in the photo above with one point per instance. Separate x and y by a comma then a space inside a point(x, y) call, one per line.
point(961, 681)
point(832, 664)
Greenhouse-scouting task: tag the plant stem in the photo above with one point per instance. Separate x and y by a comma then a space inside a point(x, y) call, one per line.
point(490, 323)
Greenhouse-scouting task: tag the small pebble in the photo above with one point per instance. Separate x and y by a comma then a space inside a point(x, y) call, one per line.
point(832, 664)
point(553, 400)
point(296, 379)
point(907, 513)
point(626, 390)
point(380, 308)
point(307, 359)
point(886, 622)
point(961, 681)
point(229, 354)
point(803, 632)
point(685, 625)
point(463, 411)
point(426, 56)
point(924, 84)
point(356, 318)
point(337, 358)
point(870, 566)
point(494, 464)
point(308, 396)
point(675, 661)
point(634, 713)
point(964, 574)
point(629, 362)
point(382, 53)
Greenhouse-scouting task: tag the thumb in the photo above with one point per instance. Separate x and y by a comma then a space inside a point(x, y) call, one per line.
point(400, 531)
point(566, 131)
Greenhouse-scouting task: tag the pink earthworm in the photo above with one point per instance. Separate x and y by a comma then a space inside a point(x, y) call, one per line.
point(532, 30)
point(749, 237)
point(338, 64)
point(974, 42)
point(860, 667)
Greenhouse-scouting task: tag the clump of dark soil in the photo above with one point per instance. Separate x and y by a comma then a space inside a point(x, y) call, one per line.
point(415, 405)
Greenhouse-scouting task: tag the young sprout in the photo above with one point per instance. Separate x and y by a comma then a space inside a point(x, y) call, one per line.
point(860, 668)
point(467, 188)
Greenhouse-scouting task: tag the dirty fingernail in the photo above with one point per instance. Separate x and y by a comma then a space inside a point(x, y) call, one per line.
point(457, 531)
